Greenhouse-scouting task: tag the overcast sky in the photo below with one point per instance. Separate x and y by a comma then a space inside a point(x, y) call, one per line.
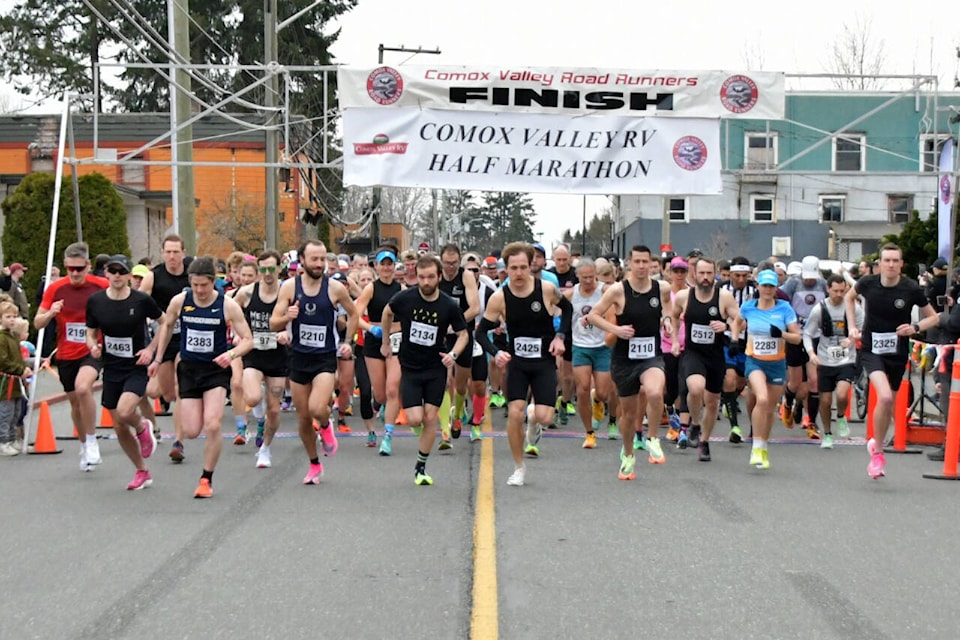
point(695, 35)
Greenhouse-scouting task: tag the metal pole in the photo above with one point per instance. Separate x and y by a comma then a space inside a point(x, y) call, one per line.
point(435, 240)
point(51, 244)
point(174, 135)
point(187, 223)
point(583, 231)
point(74, 179)
point(272, 151)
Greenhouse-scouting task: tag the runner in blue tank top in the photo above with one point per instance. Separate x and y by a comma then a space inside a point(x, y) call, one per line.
point(308, 304)
point(203, 373)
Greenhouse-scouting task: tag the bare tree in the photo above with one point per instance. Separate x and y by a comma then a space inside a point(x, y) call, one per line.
point(857, 53)
point(753, 57)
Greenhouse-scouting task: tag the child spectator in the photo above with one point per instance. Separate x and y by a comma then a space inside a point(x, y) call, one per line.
point(12, 367)
point(28, 351)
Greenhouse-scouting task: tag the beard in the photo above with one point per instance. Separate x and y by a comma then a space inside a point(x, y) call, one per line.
point(314, 274)
point(427, 290)
point(705, 287)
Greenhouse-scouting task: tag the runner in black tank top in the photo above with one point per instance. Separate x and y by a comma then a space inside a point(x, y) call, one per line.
point(461, 285)
point(526, 304)
point(705, 309)
point(384, 372)
point(267, 363)
point(641, 305)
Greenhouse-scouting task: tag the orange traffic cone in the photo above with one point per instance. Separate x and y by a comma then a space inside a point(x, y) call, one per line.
point(401, 417)
point(158, 408)
point(106, 419)
point(46, 443)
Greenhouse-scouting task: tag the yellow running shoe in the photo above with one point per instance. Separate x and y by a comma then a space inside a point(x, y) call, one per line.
point(590, 442)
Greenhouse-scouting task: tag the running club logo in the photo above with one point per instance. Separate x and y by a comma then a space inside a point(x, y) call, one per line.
point(384, 85)
point(654, 302)
point(381, 144)
point(310, 309)
point(535, 306)
point(712, 312)
point(899, 303)
point(945, 189)
point(690, 153)
point(739, 94)
point(810, 299)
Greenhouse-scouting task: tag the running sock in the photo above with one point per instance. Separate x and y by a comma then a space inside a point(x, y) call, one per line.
point(759, 443)
point(91, 439)
point(208, 475)
point(789, 396)
point(422, 461)
point(388, 429)
point(445, 412)
point(813, 406)
point(241, 422)
point(314, 460)
point(459, 400)
point(479, 407)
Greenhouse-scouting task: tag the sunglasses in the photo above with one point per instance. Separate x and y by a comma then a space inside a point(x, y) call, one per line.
point(474, 270)
point(76, 269)
point(267, 269)
point(117, 271)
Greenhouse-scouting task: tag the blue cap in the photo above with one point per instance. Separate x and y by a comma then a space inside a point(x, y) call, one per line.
point(769, 277)
point(539, 247)
point(384, 255)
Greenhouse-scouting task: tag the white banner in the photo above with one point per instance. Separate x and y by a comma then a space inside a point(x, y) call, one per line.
point(945, 203)
point(563, 90)
point(528, 152)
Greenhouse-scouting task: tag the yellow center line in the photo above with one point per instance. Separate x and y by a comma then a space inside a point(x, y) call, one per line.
point(483, 616)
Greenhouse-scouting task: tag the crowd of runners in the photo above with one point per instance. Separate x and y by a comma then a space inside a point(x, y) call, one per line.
point(433, 342)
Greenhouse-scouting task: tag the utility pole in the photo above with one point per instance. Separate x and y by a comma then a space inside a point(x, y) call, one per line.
point(272, 152)
point(375, 203)
point(181, 143)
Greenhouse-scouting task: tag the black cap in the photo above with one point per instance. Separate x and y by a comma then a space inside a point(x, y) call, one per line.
point(119, 259)
point(939, 263)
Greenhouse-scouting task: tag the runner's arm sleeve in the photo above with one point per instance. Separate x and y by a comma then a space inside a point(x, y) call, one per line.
point(482, 336)
point(566, 315)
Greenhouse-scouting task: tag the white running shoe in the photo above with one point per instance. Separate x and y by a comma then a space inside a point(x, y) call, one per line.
point(93, 453)
point(516, 478)
point(263, 457)
point(84, 463)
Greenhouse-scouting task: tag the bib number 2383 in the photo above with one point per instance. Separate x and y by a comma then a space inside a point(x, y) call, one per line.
point(199, 341)
point(642, 348)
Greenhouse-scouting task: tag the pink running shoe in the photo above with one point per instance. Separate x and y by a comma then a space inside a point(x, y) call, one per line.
point(328, 437)
point(878, 463)
point(313, 476)
point(148, 441)
point(141, 480)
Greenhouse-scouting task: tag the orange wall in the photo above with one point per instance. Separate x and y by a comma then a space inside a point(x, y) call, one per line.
point(220, 191)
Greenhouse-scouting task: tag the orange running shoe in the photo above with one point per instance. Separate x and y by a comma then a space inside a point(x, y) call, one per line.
point(204, 490)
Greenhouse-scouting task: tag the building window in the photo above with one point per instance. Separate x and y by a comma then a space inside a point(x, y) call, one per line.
point(133, 173)
point(833, 208)
point(760, 151)
point(849, 152)
point(899, 208)
point(930, 147)
point(677, 209)
point(762, 207)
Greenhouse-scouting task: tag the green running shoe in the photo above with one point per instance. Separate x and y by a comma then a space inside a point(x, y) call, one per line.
point(422, 479)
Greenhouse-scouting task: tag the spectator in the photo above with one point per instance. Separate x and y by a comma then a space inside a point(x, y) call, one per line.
point(10, 283)
point(100, 264)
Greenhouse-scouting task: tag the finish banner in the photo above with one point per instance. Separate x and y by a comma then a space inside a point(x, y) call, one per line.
point(526, 152)
point(561, 90)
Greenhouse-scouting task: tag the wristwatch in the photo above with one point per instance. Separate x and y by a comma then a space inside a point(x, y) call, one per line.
point(916, 328)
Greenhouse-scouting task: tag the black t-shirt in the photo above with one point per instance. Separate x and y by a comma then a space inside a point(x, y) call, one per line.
point(424, 324)
point(122, 324)
point(885, 309)
point(566, 280)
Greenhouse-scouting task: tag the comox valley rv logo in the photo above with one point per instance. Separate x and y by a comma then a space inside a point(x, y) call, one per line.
point(739, 94)
point(690, 153)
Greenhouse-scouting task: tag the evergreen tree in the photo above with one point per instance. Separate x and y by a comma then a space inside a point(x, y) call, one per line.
point(503, 217)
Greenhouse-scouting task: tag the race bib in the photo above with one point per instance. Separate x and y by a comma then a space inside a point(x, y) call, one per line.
point(477, 349)
point(119, 347)
point(702, 334)
point(312, 335)
point(76, 332)
point(264, 340)
point(766, 346)
point(199, 341)
point(423, 334)
point(527, 347)
point(884, 343)
point(642, 348)
point(176, 326)
point(396, 339)
point(836, 353)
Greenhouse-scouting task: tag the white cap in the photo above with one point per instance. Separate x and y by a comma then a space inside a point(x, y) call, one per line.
point(793, 269)
point(779, 266)
point(810, 268)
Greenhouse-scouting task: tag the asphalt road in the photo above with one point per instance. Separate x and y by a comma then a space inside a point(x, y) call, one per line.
point(811, 548)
